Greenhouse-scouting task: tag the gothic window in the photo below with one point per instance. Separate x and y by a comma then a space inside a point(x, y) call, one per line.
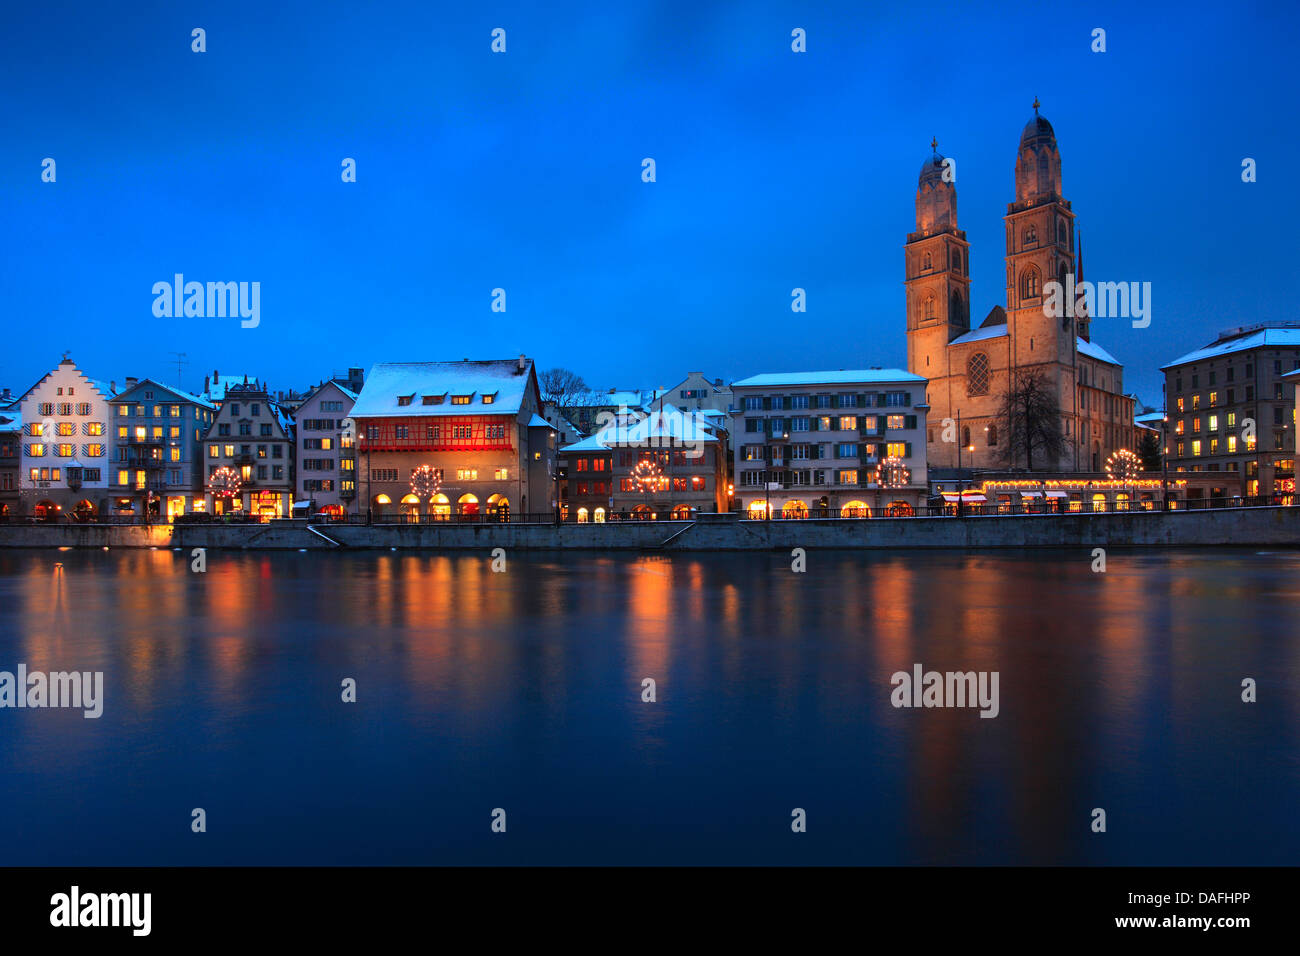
point(1029, 284)
point(965, 436)
point(957, 309)
point(1060, 231)
point(993, 435)
point(977, 374)
point(927, 263)
point(929, 307)
point(1031, 235)
point(956, 260)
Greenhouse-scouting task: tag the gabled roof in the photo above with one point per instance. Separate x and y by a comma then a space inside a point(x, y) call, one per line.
point(865, 376)
point(347, 393)
point(216, 390)
point(980, 334)
point(651, 432)
point(388, 382)
point(1093, 350)
point(104, 388)
point(1253, 340)
point(180, 394)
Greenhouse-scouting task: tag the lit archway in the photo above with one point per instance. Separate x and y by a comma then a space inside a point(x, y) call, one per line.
point(499, 506)
point(411, 508)
point(855, 509)
point(1099, 502)
point(440, 506)
point(45, 511)
point(599, 516)
point(582, 516)
point(381, 503)
point(758, 509)
point(899, 509)
point(1121, 502)
point(467, 504)
point(794, 509)
point(84, 509)
point(641, 512)
point(682, 513)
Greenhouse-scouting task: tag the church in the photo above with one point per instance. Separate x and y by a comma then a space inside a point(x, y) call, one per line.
point(969, 368)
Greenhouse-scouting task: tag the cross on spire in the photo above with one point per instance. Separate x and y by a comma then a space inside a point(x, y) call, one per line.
point(934, 144)
point(1035, 106)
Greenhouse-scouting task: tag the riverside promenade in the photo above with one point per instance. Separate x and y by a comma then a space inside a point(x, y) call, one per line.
point(1218, 527)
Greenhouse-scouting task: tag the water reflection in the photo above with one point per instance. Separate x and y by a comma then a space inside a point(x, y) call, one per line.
point(1117, 689)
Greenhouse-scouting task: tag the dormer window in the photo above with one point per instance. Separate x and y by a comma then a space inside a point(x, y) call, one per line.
point(405, 399)
point(461, 399)
point(489, 399)
point(433, 399)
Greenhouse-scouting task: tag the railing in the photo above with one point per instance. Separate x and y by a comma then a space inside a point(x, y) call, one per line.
point(989, 509)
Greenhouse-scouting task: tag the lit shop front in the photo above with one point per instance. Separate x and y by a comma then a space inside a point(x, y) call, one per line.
point(1065, 496)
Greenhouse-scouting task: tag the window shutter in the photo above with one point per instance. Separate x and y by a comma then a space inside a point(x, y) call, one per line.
point(907, 449)
point(837, 476)
point(816, 424)
point(767, 403)
point(835, 401)
point(862, 422)
point(787, 402)
point(911, 421)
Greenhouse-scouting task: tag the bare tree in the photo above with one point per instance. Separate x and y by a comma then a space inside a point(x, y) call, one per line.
point(1032, 413)
point(563, 388)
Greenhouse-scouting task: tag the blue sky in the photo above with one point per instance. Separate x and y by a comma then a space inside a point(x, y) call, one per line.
point(522, 171)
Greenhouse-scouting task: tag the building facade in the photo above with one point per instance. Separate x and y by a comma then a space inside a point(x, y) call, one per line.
point(1231, 408)
point(249, 456)
point(454, 439)
point(586, 473)
point(157, 460)
point(11, 443)
point(67, 446)
point(970, 369)
point(696, 393)
point(813, 443)
point(326, 450)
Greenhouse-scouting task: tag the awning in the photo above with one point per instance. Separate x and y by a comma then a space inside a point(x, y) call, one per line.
point(302, 504)
point(1057, 494)
point(1031, 494)
point(974, 496)
point(951, 496)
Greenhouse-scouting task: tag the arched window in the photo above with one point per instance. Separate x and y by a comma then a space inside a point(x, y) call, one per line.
point(1061, 233)
point(965, 436)
point(956, 260)
point(1029, 286)
point(1031, 235)
point(993, 435)
point(957, 309)
point(977, 375)
point(929, 307)
point(927, 263)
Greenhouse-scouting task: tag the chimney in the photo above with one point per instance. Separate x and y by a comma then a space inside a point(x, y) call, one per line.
point(112, 386)
point(523, 361)
point(131, 381)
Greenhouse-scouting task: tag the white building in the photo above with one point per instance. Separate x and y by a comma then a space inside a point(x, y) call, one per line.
point(815, 444)
point(327, 460)
point(67, 446)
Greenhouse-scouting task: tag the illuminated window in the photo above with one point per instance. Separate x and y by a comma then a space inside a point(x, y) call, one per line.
point(896, 421)
point(1213, 423)
point(849, 476)
point(848, 423)
point(1196, 447)
point(67, 428)
point(467, 474)
point(36, 451)
point(176, 453)
point(94, 428)
point(1214, 399)
point(896, 449)
point(1180, 404)
point(1196, 400)
point(489, 399)
point(1232, 444)
point(36, 429)
point(65, 450)
point(501, 474)
point(1178, 427)
point(123, 477)
point(460, 399)
point(95, 451)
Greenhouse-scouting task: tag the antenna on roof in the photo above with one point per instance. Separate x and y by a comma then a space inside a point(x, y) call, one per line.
point(181, 360)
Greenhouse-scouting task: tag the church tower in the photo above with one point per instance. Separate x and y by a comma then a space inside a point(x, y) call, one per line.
point(937, 270)
point(1040, 249)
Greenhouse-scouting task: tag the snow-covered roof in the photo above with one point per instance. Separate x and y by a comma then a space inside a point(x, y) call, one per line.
point(537, 421)
point(1149, 417)
point(652, 431)
point(865, 376)
point(11, 419)
point(347, 392)
point(388, 382)
point(178, 392)
point(216, 390)
point(1093, 350)
point(980, 334)
point(1254, 340)
point(104, 388)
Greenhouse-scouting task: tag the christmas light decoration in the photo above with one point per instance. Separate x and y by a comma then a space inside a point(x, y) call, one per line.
point(648, 476)
point(1123, 465)
point(224, 483)
point(426, 481)
point(893, 473)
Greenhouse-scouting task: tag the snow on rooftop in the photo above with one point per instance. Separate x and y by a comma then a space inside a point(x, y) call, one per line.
point(867, 376)
point(1093, 350)
point(389, 383)
point(1262, 337)
point(980, 334)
